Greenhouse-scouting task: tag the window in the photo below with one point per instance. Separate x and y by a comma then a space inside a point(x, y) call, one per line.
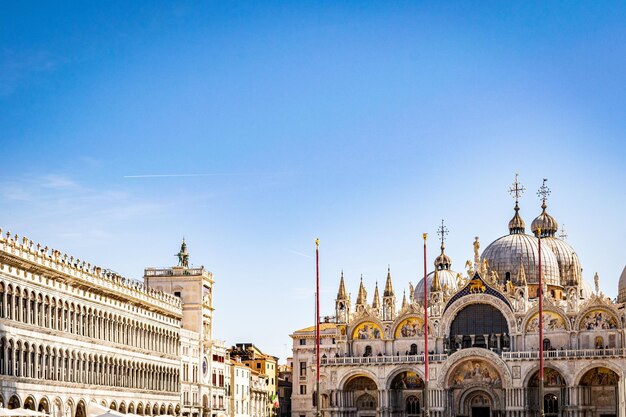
point(302, 368)
point(302, 342)
point(412, 405)
point(177, 293)
point(302, 389)
point(258, 366)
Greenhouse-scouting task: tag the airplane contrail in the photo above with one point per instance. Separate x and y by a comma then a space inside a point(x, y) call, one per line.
point(180, 175)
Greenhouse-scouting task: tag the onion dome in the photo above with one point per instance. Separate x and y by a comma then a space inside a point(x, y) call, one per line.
point(544, 222)
point(621, 292)
point(517, 225)
point(443, 261)
point(506, 255)
point(441, 277)
point(570, 269)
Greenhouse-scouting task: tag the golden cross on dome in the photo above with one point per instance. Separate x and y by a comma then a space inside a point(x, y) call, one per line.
point(517, 189)
point(544, 191)
point(442, 232)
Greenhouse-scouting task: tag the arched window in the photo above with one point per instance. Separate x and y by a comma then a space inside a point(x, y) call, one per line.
point(546, 344)
point(412, 405)
point(413, 350)
point(368, 351)
point(550, 405)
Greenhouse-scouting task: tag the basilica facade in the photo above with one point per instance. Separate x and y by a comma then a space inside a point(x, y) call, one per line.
point(483, 338)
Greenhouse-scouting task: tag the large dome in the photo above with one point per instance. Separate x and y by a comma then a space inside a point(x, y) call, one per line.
point(507, 253)
point(570, 269)
point(621, 294)
point(446, 278)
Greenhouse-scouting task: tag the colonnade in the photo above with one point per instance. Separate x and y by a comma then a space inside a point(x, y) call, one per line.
point(50, 312)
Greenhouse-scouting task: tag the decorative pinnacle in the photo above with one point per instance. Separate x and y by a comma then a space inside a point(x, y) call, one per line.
point(563, 234)
point(517, 189)
point(544, 192)
point(442, 232)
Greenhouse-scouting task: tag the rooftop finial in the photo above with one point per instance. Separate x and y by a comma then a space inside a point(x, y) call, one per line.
point(517, 189)
point(563, 234)
point(442, 261)
point(516, 225)
point(442, 232)
point(183, 255)
point(544, 192)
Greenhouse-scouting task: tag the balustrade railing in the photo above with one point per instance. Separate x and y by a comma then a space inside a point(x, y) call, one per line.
point(566, 354)
point(440, 357)
point(364, 360)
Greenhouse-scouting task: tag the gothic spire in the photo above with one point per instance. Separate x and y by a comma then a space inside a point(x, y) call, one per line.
point(342, 294)
point(388, 287)
point(404, 299)
point(376, 302)
point(362, 296)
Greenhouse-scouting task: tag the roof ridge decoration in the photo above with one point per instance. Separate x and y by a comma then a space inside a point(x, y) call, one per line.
point(517, 225)
point(477, 285)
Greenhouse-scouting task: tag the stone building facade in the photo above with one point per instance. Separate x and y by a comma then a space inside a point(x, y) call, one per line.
point(72, 333)
point(483, 339)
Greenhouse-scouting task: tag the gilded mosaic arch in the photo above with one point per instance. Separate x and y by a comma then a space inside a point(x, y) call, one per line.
point(475, 354)
point(367, 330)
point(609, 365)
point(599, 376)
point(409, 327)
point(398, 372)
point(474, 371)
point(552, 321)
point(360, 383)
point(598, 319)
point(349, 376)
point(552, 377)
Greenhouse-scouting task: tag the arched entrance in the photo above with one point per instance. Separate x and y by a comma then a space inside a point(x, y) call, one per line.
point(478, 404)
point(362, 396)
point(554, 393)
point(406, 394)
point(600, 388)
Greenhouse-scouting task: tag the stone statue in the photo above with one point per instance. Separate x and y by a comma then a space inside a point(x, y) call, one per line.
point(183, 255)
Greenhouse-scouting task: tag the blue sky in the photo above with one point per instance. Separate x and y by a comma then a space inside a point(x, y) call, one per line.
point(363, 124)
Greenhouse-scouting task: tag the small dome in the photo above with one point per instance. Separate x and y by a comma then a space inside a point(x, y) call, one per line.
point(570, 269)
point(586, 291)
point(547, 223)
point(621, 294)
point(446, 278)
point(517, 225)
point(507, 253)
point(443, 261)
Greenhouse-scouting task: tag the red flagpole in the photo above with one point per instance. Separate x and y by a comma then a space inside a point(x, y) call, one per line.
point(317, 323)
point(540, 292)
point(426, 402)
